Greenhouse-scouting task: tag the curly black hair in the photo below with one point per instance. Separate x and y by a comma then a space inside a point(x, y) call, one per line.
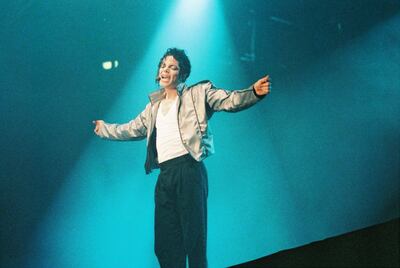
point(183, 60)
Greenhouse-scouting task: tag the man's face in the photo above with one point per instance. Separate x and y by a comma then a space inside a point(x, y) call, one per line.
point(169, 73)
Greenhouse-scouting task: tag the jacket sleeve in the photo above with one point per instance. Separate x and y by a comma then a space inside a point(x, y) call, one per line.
point(230, 100)
point(135, 129)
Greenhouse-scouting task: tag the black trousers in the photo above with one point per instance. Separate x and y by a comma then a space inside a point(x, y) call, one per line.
point(181, 213)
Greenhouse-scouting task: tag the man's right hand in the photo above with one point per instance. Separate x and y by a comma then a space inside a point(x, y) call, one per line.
point(98, 124)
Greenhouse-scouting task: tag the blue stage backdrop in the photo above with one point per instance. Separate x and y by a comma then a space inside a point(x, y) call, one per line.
point(318, 157)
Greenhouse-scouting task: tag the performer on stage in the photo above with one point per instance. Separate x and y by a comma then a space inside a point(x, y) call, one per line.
point(176, 125)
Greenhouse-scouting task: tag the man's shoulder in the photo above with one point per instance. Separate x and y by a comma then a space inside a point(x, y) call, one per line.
point(204, 84)
point(201, 82)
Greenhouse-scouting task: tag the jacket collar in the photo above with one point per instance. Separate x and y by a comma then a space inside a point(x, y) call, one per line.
point(159, 94)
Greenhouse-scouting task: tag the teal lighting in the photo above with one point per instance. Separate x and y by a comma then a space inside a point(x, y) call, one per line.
point(103, 214)
point(191, 11)
point(317, 158)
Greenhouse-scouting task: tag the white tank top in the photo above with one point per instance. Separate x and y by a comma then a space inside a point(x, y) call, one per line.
point(168, 141)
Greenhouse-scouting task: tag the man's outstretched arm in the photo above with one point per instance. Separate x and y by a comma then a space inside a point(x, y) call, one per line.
point(136, 129)
point(237, 100)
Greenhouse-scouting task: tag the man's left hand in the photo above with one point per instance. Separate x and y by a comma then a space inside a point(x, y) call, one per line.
point(263, 86)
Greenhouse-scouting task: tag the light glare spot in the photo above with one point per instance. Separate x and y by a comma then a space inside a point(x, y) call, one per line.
point(190, 9)
point(107, 65)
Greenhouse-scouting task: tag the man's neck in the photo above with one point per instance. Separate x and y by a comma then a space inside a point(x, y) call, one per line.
point(171, 93)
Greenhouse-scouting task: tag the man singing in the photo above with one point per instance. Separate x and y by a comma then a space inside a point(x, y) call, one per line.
point(175, 123)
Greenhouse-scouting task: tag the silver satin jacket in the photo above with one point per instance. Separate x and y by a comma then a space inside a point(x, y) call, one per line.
point(196, 105)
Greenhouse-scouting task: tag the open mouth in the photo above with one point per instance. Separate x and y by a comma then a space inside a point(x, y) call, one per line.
point(164, 77)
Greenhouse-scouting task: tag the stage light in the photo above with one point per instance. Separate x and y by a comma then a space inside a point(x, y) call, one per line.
point(108, 65)
point(191, 9)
